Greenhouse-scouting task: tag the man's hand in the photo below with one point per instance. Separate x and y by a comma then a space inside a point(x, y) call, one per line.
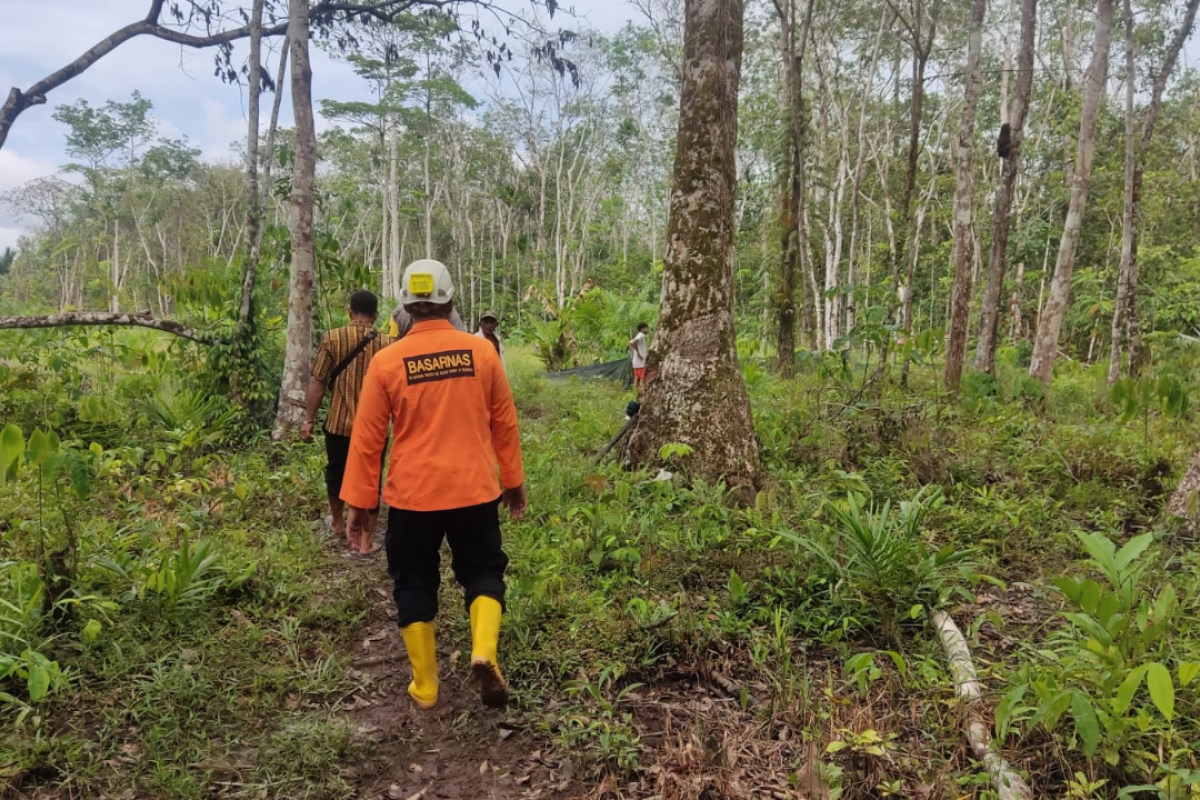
point(515, 501)
point(357, 523)
point(306, 432)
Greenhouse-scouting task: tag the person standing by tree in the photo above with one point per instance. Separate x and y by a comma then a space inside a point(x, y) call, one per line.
point(455, 432)
point(638, 352)
point(339, 369)
point(488, 322)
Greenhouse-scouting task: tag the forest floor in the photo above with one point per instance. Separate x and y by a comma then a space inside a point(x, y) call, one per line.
point(660, 640)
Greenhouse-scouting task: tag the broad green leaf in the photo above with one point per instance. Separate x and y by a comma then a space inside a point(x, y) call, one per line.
point(1162, 690)
point(41, 447)
point(1099, 547)
point(1164, 605)
point(38, 682)
point(1070, 588)
point(1086, 723)
point(12, 445)
point(1133, 548)
point(1188, 671)
point(1089, 596)
point(1127, 690)
point(1091, 627)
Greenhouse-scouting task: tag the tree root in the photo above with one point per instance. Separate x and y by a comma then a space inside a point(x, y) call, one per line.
point(1009, 785)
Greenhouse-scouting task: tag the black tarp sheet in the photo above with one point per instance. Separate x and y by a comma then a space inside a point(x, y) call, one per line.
point(620, 371)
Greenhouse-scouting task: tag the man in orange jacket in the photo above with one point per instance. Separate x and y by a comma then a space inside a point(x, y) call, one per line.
point(453, 422)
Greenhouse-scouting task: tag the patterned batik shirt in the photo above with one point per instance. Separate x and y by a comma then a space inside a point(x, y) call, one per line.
point(335, 346)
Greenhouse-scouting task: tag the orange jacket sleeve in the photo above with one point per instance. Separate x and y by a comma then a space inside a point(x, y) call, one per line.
point(360, 484)
point(506, 436)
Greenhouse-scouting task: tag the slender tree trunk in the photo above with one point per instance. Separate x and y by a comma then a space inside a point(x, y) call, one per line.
point(956, 351)
point(1125, 322)
point(792, 194)
point(694, 391)
point(269, 146)
point(989, 321)
point(296, 366)
point(1045, 346)
point(395, 250)
point(1121, 310)
point(253, 201)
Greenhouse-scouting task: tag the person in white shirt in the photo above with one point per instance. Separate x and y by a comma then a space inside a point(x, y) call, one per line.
point(488, 321)
point(638, 351)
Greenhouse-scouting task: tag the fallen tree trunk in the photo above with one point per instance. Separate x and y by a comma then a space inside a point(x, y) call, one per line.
point(141, 320)
point(1008, 784)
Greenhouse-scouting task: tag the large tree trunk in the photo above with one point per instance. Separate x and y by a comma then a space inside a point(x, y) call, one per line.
point(957, 349)
point(1045, 345)
point(296, 366)
point(694, 392)
point(1125, 321)
point(989, 322)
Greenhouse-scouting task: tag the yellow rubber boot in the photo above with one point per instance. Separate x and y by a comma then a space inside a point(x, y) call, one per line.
point(485, 635)
point(422, 654)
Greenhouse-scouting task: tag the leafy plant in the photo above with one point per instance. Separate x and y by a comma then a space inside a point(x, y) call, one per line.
point(1137, 396)
point(886, 558)
point(1115, 642)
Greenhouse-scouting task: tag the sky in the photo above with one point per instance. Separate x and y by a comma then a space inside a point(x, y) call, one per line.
point(39, 37)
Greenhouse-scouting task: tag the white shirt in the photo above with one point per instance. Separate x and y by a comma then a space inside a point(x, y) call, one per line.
point(638, 346)
point(499, 341)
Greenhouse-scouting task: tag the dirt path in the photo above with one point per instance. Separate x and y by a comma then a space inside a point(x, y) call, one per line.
point(458, 750)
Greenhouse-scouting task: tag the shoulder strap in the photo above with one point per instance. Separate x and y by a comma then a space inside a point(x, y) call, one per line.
point(353, 354)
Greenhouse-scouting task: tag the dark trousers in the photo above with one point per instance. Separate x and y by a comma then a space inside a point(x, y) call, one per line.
point(337, 451)
point(414, 543)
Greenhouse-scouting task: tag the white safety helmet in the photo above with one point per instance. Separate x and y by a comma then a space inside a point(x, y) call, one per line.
point(426, 281)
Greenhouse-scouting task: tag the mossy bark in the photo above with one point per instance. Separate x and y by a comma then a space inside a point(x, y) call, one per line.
point(694, 392)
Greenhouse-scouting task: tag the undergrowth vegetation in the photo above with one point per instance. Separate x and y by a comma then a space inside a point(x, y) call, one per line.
point(172, 625)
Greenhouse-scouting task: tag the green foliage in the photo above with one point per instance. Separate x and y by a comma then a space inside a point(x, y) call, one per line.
point(886, 559)
point(1117, 641)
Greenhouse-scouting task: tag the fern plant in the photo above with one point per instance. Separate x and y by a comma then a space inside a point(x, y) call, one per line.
point(885, 557)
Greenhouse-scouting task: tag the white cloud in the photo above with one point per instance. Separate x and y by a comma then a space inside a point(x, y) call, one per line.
point(16, 171)
point(221, 130)
point(8, 237)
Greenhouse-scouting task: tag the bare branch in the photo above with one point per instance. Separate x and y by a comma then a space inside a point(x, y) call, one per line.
point(142, 320)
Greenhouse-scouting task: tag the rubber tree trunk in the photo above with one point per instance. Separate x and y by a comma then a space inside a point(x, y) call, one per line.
point(1186, 500)
point(298, 353)
point(989, 322)
point(1045, 344)
point(963, 251)
point(254, 206)
point(694, 392)
point(1125, 323)
point(792, 186)
point(789, 228)
point(1121, 309)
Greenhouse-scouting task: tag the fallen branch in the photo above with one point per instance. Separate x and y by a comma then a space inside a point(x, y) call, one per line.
point(729, 686)
point(1008, 784)
point(142, 320)
point(628, 427)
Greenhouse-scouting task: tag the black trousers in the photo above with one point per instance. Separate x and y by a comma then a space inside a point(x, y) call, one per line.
point(414, 543)
point(337, 451)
